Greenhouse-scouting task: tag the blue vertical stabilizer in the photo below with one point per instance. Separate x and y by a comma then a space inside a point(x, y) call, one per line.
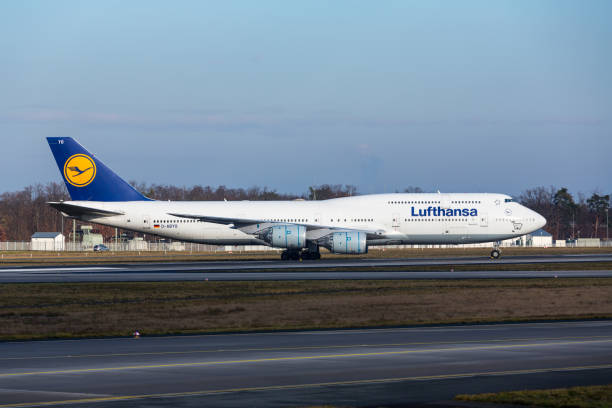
point(86, 177)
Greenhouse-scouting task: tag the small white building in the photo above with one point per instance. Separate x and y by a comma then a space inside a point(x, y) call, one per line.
point(47, 241)
point(539, 238)
point(138, 244)
point(89, 239)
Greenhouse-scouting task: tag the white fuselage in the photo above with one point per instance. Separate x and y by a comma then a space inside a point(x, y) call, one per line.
point(399, 218)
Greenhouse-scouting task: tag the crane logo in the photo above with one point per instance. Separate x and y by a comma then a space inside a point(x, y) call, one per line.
point(80, 170)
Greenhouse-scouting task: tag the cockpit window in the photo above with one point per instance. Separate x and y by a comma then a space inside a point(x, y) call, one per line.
point(508, 200)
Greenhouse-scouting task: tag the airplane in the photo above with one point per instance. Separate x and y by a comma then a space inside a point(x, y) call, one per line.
point(348, 225)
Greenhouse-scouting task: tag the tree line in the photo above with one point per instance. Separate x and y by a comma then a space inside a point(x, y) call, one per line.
point(24, 212)
point(568, 217)
point(220, 193)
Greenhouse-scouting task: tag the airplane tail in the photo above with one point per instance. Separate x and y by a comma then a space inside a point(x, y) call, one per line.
point(86, 177)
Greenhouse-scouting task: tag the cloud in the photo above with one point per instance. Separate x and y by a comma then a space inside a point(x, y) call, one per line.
point(164, 119)
point(264, 118)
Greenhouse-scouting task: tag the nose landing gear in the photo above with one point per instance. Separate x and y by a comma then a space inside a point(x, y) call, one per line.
point(496, 252)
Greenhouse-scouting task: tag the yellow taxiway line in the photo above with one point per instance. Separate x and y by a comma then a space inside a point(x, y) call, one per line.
point(328, 347)
point(307, 357)
point(310, 385)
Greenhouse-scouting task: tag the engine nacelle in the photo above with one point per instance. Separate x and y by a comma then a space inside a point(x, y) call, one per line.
point(349, 242)
point(285, 236)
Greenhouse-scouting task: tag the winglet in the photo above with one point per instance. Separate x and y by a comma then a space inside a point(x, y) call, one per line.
point(86, 177)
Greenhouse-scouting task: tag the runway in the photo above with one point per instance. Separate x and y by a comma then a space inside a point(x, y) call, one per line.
point(307, 270)
point(130, 275)
point(342, 367)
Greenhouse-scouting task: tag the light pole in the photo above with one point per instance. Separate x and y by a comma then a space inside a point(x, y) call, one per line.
point(607, 225)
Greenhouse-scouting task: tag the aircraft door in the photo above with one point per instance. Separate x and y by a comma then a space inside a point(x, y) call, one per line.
point(484, 220)
point(445, 201)
point(396, 222)
point(318, 218)
point(146, 222)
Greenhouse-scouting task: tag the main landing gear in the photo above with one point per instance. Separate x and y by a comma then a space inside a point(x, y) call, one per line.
point(496, 252)
point(311, 254)
point(296, 255)
point(290, 255)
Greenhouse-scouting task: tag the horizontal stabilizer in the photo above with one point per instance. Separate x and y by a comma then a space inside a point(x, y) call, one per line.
point(74, 210)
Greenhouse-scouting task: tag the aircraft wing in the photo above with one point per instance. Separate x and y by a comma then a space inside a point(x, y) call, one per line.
point(252, 225)
point(74, 210)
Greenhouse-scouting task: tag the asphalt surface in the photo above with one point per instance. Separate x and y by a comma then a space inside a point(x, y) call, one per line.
point(279, 270)
point(409, 366)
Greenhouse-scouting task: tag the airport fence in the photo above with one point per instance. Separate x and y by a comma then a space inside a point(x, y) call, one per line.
point(589, 243)
point(15, 246)
point(132, 246)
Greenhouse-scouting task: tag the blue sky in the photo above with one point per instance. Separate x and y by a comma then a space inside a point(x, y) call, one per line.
point(457, 96)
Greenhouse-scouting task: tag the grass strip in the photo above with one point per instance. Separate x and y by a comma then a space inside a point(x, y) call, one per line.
point(65, 310)
point(599, 396)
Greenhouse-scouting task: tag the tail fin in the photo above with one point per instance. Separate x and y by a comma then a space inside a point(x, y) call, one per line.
point(86, 177)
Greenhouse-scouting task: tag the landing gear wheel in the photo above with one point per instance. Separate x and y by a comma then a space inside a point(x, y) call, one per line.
point(308, 254)
point(495, 254)
point(290, 255)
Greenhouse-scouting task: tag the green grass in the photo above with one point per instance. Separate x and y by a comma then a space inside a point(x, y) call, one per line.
point(575, 397)
point(52, 310)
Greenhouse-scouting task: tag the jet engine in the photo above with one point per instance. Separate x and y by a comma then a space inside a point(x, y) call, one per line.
point(285, 236)
point(346, 242)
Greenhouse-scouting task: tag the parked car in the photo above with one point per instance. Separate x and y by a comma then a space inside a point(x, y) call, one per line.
point(100, 247)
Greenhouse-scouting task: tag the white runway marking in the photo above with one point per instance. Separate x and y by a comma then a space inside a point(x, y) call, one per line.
point(76, 269)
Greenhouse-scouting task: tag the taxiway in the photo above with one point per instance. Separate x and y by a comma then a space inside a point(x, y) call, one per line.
point(307, 270)
point(342, 367)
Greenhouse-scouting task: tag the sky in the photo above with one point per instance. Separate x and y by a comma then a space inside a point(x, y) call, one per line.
point(470, 96)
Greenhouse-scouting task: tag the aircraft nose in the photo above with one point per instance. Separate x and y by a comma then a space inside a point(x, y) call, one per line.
point(540, 221)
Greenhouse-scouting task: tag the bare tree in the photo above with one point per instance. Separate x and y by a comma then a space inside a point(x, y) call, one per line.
point(327, 191)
